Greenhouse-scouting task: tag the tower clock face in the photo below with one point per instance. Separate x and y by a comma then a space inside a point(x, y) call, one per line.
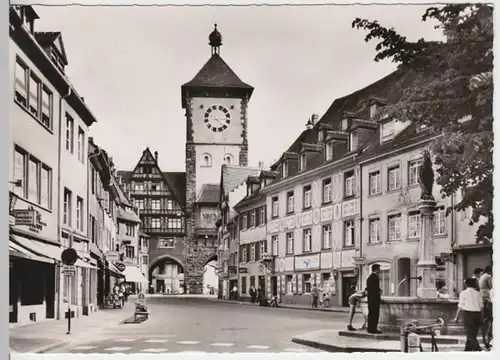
point(217, 118)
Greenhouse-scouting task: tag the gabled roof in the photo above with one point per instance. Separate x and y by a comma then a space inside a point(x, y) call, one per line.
point(49, 38)
point(176, 181)
point(123, 198)
point(232, 176)
point(209, 194)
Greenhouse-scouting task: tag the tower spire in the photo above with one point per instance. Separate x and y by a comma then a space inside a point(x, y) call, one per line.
point(215, 40)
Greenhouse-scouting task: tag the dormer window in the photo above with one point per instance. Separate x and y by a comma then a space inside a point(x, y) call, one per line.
point(284, 169)
point(302, 161)
point(387, 131)
point(321, 136)
point(329, 151)
point(344, 125)
point(353, 141)
point(373, 110)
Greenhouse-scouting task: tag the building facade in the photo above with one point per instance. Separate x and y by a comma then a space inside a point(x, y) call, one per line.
point(48, 196)
point(233, 190)
point(252, 238)
point(159, 198)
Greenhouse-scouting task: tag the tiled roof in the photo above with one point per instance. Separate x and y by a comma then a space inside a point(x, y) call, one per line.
point(123, 198)
point(128, 215)
point(406, 137)
point(233, 176)
point(249, 199)
point(216, 73)
point(387, 90)
point(177, 183)
point(209, 194)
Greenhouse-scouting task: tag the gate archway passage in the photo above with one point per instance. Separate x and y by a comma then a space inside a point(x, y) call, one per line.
point(210, 278)
point(167, 275)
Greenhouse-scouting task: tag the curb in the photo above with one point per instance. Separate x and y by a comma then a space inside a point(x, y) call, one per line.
point(331, 310)
point(333, 348)
point(57, 345)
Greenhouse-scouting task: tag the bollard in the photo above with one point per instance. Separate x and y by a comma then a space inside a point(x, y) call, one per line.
point(413, 343)
point(403, 336)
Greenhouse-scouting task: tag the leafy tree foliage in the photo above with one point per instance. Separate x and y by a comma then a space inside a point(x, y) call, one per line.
point(453, 96)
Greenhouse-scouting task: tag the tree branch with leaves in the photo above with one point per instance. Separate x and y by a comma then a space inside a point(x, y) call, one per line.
point(452, 96)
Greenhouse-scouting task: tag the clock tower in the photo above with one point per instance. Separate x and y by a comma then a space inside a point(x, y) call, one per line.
point(216, 103)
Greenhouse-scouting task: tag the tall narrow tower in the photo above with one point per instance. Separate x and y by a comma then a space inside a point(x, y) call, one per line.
point(216, 102)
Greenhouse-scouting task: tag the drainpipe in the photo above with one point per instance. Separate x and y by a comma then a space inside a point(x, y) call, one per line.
point(59, 150)
point(360, 285)
point(452, 243)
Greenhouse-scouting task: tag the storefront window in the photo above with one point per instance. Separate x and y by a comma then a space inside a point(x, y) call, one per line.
point(289, 284)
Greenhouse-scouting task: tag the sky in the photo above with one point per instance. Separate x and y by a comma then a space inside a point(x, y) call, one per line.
point(130, 62)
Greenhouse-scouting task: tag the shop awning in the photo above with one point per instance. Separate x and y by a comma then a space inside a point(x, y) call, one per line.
point(83, 264)
point(37, 247)
point(133, 274)
point(20, 252)
point(111, 267)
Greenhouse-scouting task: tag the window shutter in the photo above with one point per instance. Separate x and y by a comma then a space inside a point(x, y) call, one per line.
point(257, 250)
point(357, 231)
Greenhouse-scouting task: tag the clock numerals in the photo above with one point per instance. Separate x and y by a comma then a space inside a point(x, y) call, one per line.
point(217, 118)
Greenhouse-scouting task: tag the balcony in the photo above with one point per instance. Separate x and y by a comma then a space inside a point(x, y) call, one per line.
point(150, 211)
point(149, 192)
point(152, 230)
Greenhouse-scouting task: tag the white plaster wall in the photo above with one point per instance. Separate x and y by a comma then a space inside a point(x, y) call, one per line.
point(217, 153)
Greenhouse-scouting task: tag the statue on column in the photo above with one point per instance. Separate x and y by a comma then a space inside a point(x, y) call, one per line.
point(426, 177)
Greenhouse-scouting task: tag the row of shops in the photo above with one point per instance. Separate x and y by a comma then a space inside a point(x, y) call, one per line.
point(39, 290)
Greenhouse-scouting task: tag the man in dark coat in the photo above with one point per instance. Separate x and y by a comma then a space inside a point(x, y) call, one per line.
point(374, 297)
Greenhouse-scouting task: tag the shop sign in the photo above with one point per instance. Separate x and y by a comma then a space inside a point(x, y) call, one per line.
point(69, 270)
point(243, 270)
point(232, 269)
point(308, 262)
point(120, 266)
point(112, 256)
point(30, 218)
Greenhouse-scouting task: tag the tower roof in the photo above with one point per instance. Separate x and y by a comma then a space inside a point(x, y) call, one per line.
point(215, 75)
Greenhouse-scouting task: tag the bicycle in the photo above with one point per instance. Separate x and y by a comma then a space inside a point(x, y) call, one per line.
point(414, 328)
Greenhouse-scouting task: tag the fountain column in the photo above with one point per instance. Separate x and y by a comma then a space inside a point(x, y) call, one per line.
point(426, 265)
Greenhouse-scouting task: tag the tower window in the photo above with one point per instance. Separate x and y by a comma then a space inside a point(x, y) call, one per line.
point(206, 160)
point(228, 159)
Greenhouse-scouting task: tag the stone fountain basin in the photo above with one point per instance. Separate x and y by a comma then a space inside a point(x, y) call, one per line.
point(397, 311)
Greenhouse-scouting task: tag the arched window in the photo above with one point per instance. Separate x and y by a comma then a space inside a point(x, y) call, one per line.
point(228, 159)
point(206, 160)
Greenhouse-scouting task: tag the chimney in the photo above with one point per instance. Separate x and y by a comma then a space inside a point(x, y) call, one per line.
point(156, 156)
point(261, 164)
point(309, 124)
point(314, 119)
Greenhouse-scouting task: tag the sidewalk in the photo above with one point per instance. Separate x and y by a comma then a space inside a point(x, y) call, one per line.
point(344, 341)
point(333, 309)
point(44, 336)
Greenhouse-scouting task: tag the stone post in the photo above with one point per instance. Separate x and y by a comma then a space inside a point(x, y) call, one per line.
point(426, 265)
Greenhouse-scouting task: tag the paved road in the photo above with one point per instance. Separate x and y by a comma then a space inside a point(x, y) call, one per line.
point(190, 324)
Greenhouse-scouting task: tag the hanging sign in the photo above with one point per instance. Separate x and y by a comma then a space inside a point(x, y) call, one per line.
point(30, 218)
